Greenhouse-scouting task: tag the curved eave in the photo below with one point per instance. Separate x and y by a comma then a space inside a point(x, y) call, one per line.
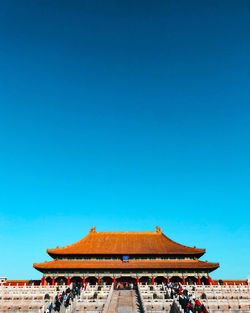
point(111, 265)
point(194, 250)
point(54, 253)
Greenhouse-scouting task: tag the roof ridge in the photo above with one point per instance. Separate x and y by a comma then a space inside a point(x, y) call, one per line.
point(127, 232)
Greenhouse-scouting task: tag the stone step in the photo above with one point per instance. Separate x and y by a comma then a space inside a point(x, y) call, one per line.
point(124, 301)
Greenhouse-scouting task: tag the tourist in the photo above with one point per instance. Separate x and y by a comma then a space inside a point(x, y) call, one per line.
point(203, 308)
point(197, 307)
point(50, 307)
point(57, 305)
point(177, 290)
point(189, 307)
point(67, 302)
point(172, 293)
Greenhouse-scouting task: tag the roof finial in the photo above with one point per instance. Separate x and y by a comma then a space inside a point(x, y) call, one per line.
point(158, 229)
point(92, 230)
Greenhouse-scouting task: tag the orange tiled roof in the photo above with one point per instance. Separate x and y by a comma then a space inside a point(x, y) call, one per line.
point(126, 243)
point(17, 281)
point(185, 264)
point(230, 280)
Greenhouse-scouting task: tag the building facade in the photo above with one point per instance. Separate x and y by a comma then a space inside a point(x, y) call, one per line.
point(125, 257)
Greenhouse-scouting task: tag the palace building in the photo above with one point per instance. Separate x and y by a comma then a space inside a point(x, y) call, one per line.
point(125, 257)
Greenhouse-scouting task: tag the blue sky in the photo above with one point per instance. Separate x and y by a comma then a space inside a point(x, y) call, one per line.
point(124, 116)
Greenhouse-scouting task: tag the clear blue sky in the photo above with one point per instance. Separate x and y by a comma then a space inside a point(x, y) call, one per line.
point(124, 115)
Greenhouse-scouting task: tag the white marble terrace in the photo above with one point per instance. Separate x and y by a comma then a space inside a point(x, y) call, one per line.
point(31, 299)
point(96, 299)
point(217, 299)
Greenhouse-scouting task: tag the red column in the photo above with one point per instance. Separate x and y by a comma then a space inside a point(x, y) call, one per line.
point(209, 280)
point(99, 279)
point(68, 282)
point(83, 280)
point(183, 280)
point(53, 281)
point(43, 281)
point(114, 281)
point(153, 280)
point(137, 279)
point(168, 279)
point(199, 280)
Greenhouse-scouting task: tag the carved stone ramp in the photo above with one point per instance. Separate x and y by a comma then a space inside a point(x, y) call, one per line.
point(124, 301)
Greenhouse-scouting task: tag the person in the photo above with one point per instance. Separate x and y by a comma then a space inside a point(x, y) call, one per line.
point(67, 302)
point(50, 307)
point(203, 308)
point(172, 293)
point(181, 300)
point(189, 307)
point(180, 290)
point(57, 305)
point(197, 307)
point(185, 302)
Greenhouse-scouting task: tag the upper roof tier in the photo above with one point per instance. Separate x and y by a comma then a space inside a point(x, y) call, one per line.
point(126, 243)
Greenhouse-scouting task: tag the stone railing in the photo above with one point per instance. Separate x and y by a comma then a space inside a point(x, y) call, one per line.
point(141, 299)
point(216, 298)
point(85, 302)
point(106, 306)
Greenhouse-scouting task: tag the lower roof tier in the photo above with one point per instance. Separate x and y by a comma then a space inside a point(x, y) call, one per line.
point(182, 264)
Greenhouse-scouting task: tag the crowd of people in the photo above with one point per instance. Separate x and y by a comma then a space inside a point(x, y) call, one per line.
point(176, 291)
point(125, 286)
point(65, 298)
point(188, 302)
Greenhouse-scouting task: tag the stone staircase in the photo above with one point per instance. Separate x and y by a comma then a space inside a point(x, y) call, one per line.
point(125, 301)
